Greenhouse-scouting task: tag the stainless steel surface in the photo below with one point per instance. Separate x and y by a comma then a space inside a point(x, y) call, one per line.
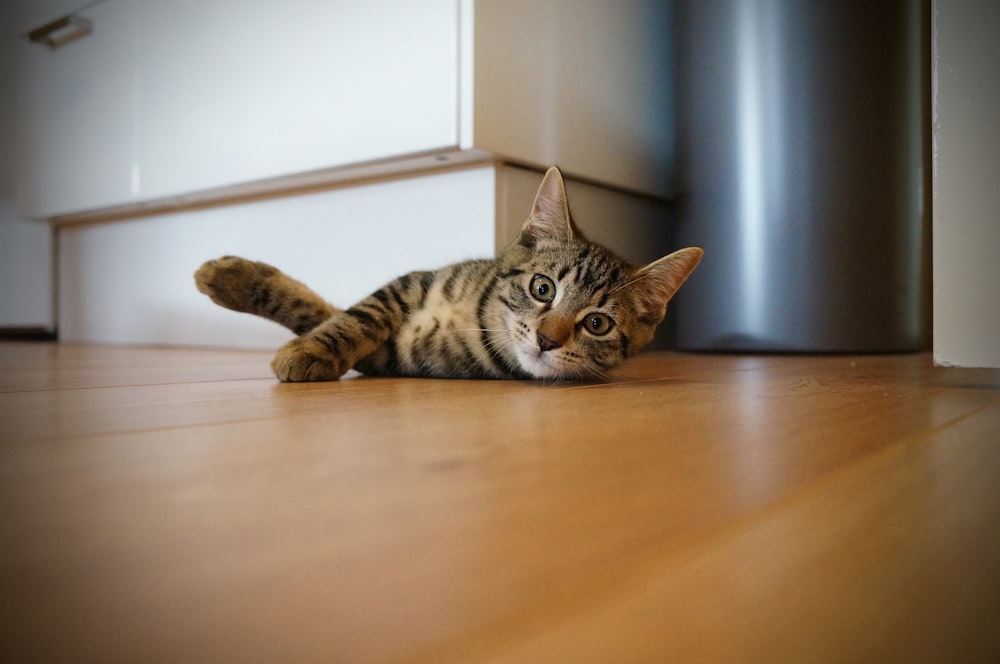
point(800, 153)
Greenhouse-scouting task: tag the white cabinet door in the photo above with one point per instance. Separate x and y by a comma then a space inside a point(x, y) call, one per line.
point(168, 98)
point(233, 91)
point(75, 112)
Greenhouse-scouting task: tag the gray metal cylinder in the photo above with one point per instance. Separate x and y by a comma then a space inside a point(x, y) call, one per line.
point(799, 164)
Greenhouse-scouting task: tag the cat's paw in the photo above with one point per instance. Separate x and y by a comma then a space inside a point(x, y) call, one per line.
point(304, 359)
point(233, 282)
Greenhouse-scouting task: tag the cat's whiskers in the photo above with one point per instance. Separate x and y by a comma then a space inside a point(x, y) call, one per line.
point(499, 339)
point(578, 369)
point(598, 373)
point(502, 344)
point(496, 335)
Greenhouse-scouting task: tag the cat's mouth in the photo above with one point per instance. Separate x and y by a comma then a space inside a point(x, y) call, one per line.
point(538, 363)
point(535, 362)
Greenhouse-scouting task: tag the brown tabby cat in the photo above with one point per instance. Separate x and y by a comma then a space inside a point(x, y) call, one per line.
point(552, 306)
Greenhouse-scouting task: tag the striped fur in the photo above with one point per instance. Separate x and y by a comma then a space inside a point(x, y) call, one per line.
point(550, 306)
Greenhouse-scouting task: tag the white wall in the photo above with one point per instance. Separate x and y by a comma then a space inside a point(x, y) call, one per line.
point(966, 37)
point(26, 290)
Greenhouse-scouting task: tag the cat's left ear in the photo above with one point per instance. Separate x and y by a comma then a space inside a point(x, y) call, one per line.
point(549, 219)
point(655, 284)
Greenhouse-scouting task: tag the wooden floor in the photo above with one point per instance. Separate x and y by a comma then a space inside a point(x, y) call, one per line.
point(181, 505)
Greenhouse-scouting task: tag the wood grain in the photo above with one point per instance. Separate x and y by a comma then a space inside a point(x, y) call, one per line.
point(181, 505)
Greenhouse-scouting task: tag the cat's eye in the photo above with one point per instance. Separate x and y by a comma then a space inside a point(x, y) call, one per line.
point(598, 324)
point(542, 288)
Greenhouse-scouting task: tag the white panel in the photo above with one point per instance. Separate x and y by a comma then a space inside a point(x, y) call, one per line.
point(582, 83)
point(75, 118)
point(966, 175)
point(240, 90)
point(131, 281)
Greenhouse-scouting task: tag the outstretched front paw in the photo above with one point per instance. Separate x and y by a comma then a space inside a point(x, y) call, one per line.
point(233, 282)
point(306, 359)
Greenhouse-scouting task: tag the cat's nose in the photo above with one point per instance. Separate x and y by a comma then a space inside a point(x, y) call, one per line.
point(546, 343)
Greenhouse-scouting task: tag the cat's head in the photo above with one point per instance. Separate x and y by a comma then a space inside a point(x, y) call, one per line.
point(568, 308)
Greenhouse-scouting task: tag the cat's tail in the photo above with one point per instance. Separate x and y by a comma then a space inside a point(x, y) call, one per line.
point(257, 288)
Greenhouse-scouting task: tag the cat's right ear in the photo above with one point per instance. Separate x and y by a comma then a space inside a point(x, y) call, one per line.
point(550, 218)
point(654, 284)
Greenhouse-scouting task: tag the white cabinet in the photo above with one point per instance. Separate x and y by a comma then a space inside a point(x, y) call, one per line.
point(233, 91)
point(167, 98)
point(75, 118)
point(174, 118)
point(194, 100)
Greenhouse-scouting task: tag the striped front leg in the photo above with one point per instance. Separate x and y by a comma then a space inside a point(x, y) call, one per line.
point(328, 351)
